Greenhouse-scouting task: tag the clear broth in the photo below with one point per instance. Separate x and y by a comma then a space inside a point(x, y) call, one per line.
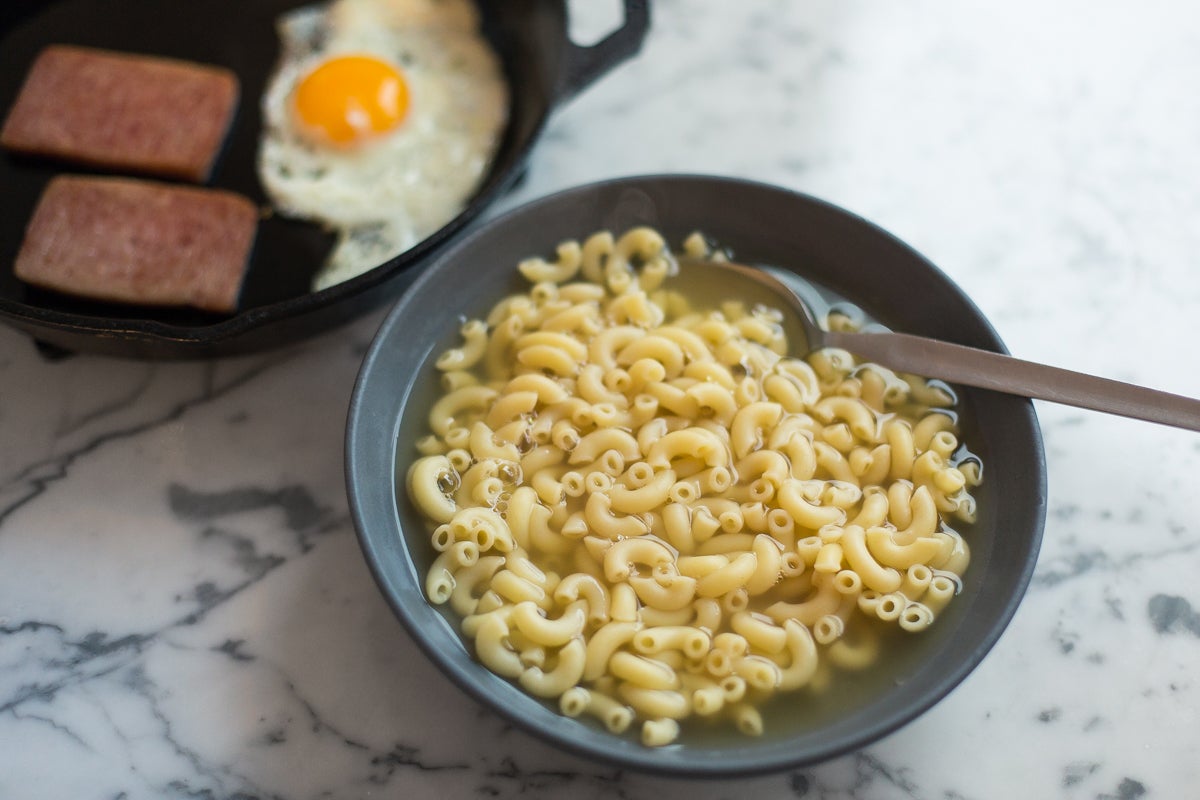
point(902, 655)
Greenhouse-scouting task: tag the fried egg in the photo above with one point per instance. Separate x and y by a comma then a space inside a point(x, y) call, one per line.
point(380, 122)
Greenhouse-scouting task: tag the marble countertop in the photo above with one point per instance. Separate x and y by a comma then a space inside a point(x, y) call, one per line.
point(184, 610)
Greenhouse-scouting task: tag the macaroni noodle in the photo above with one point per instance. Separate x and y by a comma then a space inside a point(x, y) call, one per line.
point(646, 512)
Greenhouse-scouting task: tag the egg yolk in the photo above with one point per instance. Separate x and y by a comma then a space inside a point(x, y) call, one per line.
point(350, 99)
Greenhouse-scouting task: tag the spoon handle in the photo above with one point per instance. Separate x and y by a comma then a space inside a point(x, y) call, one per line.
point(973, 367)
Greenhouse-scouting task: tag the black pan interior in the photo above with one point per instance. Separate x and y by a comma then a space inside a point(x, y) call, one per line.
point(529, 36)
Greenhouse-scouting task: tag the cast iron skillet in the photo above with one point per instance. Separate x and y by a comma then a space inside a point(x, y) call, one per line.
point(543, 67)
point(762, 224)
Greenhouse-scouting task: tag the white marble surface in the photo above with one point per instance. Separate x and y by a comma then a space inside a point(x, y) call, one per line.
point(184, 611)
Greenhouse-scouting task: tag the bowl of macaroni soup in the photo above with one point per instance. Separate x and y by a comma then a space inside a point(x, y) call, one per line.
point(618, 502)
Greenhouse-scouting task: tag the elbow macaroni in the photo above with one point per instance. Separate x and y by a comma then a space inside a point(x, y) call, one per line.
point(646, 512)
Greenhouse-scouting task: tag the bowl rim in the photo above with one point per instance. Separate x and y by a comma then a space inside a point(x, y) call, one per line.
point(363, 431)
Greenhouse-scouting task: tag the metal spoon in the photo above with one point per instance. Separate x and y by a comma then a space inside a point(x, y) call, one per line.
point(957, 363)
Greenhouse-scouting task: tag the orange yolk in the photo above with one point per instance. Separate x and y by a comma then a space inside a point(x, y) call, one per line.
point(349, 99)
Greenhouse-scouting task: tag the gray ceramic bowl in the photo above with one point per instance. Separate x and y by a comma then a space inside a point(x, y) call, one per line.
point(762, 224)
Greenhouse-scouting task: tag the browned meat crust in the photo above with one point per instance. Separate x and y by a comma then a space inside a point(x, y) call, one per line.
point(135, 241)
point(123, 112)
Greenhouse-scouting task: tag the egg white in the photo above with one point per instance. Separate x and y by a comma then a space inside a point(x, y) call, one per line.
point(386, 195)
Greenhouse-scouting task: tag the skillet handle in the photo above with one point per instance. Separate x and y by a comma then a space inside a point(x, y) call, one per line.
point(584, 65)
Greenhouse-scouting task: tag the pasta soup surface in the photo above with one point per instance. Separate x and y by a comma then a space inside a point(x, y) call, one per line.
point(649, 513)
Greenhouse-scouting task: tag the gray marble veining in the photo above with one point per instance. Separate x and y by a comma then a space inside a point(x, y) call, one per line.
point(184, 612)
